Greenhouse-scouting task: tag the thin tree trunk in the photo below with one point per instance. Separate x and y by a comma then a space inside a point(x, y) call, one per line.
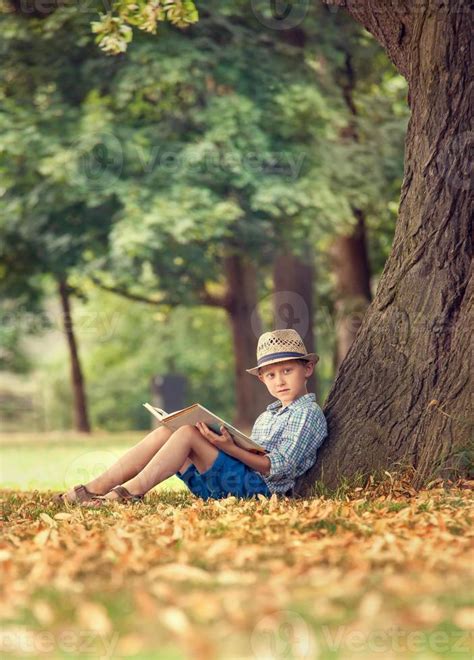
point(251, 395)
point(241, 304)
point(293, 302)
point(351, 268)
point(81, 419)
point(349, 253)
point(402, 395)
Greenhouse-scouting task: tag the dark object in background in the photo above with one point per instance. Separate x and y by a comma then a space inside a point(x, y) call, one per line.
point(168, 392)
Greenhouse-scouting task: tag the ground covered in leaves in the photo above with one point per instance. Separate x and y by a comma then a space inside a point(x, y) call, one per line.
point(380, 572)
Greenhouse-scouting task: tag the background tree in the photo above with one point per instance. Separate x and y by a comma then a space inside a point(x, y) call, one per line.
point(177, 149)
point(294, 273)
point(217, 196)
point(51, 222)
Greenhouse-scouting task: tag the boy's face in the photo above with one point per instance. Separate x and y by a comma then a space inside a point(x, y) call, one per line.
point(286, 380)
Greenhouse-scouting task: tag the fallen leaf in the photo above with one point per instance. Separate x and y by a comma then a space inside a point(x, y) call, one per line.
point(175, 619)
point(94, 616)
point(464, 618)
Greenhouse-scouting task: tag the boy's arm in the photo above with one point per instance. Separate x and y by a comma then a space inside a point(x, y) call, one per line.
point(303, 438)
point(225, 443)
point(257, 462)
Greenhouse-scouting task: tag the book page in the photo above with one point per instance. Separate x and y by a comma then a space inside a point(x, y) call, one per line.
point(197, 413)
point(156, 412)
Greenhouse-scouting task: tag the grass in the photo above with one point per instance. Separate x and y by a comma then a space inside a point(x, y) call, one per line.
point(56, 461)
point(376, 571)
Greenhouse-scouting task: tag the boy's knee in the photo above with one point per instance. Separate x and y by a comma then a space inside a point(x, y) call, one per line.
point(187, 429)
point(188, 432)
point(163, 432)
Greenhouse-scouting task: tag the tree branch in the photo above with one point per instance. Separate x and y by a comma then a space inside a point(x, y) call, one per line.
point(130, 296)
point(208, 298)
point(204, 296)
point(390, 22)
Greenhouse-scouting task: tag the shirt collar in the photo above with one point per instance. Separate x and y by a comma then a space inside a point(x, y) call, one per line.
point(275, 407)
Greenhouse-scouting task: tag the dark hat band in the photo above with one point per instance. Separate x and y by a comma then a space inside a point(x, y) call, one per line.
point(273, 356)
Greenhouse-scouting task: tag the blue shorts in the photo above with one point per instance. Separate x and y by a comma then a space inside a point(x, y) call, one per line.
point(226, 476)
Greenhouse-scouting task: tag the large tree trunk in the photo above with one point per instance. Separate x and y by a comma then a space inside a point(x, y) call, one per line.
point(242, 307)
point(402, 393)
point(293, 301)
point(81, 420)
point(350, 266)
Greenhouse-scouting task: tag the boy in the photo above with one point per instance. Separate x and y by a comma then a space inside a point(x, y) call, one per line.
point(291, 430)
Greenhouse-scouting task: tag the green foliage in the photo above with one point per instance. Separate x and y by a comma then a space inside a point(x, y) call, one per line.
point(145, 171)
point(250, 151)
point(143, 345)
point(51, 218)
point(125, 344)
point(114, 31)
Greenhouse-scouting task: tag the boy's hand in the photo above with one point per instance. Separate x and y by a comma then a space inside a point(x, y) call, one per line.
point(223, 442)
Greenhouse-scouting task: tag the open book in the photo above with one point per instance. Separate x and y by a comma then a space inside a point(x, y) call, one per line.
point(197, 413)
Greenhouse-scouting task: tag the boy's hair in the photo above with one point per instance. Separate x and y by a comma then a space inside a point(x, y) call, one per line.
point(301, 361)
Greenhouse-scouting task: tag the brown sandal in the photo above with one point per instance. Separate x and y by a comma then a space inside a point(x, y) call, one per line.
point(82, 494)
point(124, 496)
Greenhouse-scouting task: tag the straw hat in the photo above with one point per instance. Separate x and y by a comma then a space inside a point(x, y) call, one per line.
point(278, 346)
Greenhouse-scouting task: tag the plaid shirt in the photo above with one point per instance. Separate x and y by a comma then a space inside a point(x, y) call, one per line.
point(292, 436)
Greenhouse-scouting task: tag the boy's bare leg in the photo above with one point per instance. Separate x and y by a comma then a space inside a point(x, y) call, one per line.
point(185, 446)
point(130, 464)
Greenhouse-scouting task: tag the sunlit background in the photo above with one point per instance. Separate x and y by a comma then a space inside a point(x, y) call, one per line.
point(168, 204)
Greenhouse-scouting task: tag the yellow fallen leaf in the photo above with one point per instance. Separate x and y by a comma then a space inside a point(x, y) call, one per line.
point(63, 515)
point(428, 613)
point(178, 532)
point(180, 572)
point(176, 620)
point(370, 605)
point(145, 603)
point(94, 616)
point(47, 519)
point(464, 618)
point(130, 645)
point(235, 577)
point(219, 548)
point(42, 537)
point(43, 612)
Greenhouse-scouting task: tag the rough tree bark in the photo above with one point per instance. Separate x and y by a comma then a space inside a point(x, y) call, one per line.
point(402, 394)
point(293, 284)
point(81, 419)
point(350, 265)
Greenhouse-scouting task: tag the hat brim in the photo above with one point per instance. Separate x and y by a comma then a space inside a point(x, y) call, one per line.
point(309, 357)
